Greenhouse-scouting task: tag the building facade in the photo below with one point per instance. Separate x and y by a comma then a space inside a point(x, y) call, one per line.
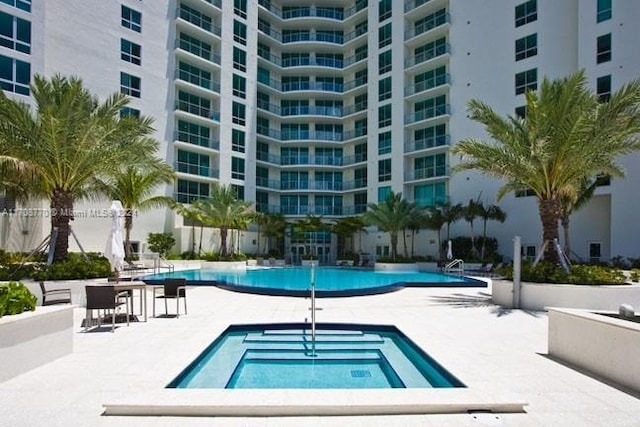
point(323, 107)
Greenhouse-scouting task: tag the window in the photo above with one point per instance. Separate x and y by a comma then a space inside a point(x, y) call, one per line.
point(239, 32)
point(239, 59)
point(526, 47)
point(384, 170)
point(384, 143)
point(237, 140)
point(15, 33)
point(603, 88)
point(130, 85)
point(129, 112)
point(237, 168)
point(359, 203)
point(383, 193)
point(384, 35)
point(14, 75)
point(194, 134)
point(384, 62)
point(384, 116)
point(521, 111)
point(430, 194)
point(193, 163)
point(189, 191)
point(526, 80)
point(525, 193)
point(604, 10)
point(430, 166)
point(384, 10)
point(20, 4)
point(131, 19)
point(526, 12)
point(384, 89)
point(239, 86)
point(360, 152)
point(529, 252)
point(604, 49)
point(238, 113)
point(130, 52)
point(240, 8)
point(197, 47)
point(238, 191)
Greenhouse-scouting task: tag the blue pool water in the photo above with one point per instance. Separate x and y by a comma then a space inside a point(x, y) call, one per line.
point(330, 282)
point(283, 356)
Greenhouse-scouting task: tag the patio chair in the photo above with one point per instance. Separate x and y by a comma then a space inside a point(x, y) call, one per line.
point(55, 296)
point(104, 298)
point(172, 289)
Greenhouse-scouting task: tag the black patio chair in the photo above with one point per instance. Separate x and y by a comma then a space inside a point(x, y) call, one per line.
point(55, 296)
point(172, 289)
point(104, 298)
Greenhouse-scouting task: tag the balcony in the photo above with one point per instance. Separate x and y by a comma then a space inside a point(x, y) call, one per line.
point(198, 110)
point(427, 143)
point(198, 20)
point(300, 135)
point(199, 140)
point(412, 4)
point(198, 50)
point(428, 55)
point(197, 80)
point(427, 113)
point(427, 173)
point(199, 170)
point(440, 80)
point(434, 22)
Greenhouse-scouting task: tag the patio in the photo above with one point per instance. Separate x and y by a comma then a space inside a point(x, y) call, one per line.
point(496, 351)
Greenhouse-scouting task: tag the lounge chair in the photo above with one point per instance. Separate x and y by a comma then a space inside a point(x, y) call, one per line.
point(172, 289)
point(104, 298)
point(55, 296)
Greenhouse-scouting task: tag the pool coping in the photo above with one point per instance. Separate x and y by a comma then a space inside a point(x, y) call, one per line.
point(296, 402)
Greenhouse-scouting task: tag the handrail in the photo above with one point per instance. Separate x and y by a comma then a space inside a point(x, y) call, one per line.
point(457, 265)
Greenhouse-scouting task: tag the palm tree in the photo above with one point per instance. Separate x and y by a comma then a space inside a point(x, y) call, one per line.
point(191, 213)
point(67, 141)
point(346, 227)
point(435, 220)
point(390, 216)
point(416, 222)
point(274, 228)
point(309, 226)
point(134, 186)
point(570, 205)
point(566, 136)
point(450, 213)
point(491, 212)
point(470, 213)
point(222, 210)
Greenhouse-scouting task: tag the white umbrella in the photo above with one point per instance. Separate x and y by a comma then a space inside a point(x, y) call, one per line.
point(114, 251)
point(449, 250)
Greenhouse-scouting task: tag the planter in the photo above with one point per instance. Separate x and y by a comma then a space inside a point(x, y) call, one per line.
point(539, 296)
point(388, 266)
point(428, 266)
point(34, 338)
point(224, 265)
point(309, 262)
point(606, 346)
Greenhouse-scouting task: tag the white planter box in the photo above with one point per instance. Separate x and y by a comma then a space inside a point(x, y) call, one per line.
point(604, 345)
point(309, 262)
point(34, 338)
point(383, 266)
point(539, 296)
point(428, 266)
point(224, 265)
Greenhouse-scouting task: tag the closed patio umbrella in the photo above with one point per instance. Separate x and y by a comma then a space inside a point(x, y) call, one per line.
point(449, 249)
point(114, 250)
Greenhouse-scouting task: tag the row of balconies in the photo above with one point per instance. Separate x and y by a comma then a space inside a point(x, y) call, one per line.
point(311, 185)
point(314, 11)
point(312, 110)
point(314, 86)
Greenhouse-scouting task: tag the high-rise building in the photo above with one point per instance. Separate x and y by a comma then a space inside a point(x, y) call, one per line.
point(323, 107)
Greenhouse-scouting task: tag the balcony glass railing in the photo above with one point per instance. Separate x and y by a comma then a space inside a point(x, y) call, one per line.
point(199, 170)
point(431, 83)
point(426, 143)
point(428, 25)
point(195, 139)
point(198, 110)
point(197, 80)
point(198, 50)
point(427, 113)
point(426, 173)
point(198, 20)
point(432, 53)
point(412, 4)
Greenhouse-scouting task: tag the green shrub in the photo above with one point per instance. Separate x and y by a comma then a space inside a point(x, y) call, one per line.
point(74, 267)
point(634, 276)
point(579, 274)
point(214, 256)
point(461, 248)
point(16, 298)
point(161, 243)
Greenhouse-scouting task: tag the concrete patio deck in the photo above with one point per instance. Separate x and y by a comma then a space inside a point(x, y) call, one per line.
point(494, 351)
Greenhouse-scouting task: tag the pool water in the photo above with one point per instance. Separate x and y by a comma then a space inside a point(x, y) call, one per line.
point(285, 356)
point(329, 282)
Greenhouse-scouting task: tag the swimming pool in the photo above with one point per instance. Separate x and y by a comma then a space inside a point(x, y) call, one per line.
point(275, 356)
point(330, 282)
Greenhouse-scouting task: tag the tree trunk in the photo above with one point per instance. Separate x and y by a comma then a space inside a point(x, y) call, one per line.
point(404, 242)
point(61, 214)
point(394, 245)
point(484, 239)
point(549, 215)
point(223, 241)
point(128, 225)
point(200, 243)
point(564, 220)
